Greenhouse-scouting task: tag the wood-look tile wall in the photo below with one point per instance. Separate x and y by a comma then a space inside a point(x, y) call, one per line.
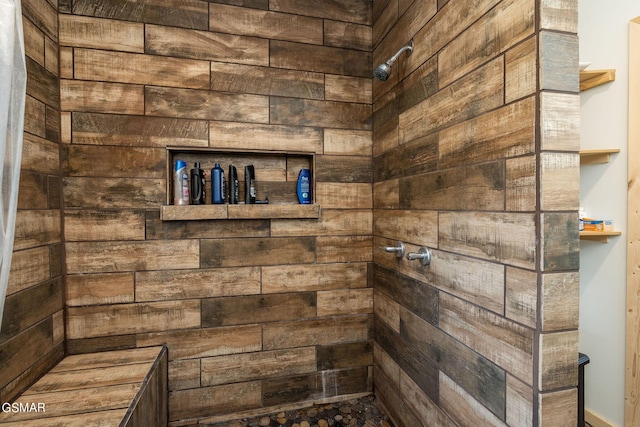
point(257, 314)
point(475, 156)
point(32, 334)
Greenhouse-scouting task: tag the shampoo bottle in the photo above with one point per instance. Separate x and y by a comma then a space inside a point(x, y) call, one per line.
point(304, 186)
point(249, 185)
point(180, 183)
point(197, 185)
point(233, 185)
point(217, 185)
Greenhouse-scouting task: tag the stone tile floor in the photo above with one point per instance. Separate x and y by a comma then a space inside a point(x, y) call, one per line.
point(362, 412)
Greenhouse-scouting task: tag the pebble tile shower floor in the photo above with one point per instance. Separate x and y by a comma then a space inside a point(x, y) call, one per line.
point(361, 412)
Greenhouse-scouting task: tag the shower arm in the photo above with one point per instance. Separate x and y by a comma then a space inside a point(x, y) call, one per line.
point(393, 59)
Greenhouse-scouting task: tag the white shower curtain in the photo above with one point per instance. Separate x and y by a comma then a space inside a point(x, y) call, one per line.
point(13, 82)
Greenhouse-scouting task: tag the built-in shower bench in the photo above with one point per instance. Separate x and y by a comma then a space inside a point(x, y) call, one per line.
point(113, 388)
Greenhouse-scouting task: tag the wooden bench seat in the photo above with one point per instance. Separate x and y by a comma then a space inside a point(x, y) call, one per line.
point(114, 388)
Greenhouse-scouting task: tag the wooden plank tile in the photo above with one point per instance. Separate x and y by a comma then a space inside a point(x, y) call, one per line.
point(331, 195)
point(479, 187)
point(519, 402)
point(93, 289)
point(521, 296)
point(106, 417)
point(386, 194)
point(418, 156)
point(84, 31)
point(42, 84)
point(561, 244)
point(28, 268)
point(308, 112)
point(208, 401)
point(33, 41)
point(478, 376)
point(426, 410)
point(121, 67)
point(419, 227)
point(317, 386)
point(558, 355)
point(197, 343)
point(347, 35)
point(256, 251)
point(507, 24)
point(340, 356)
point(385, 364)
point(228, 311)
point(387, 310)
point(503, 133)
point(259, 365)
point(265, 24)
point(187, 284)
point(560, 294)
point(91, 225)
point(521, 70)
point(558, 408)
point(229, 77)
point(559, 181)
point(36, 228)
point(462, 407)
point(457, 103)
point(109, 193)
point(100, 344)
point(558, 59)
point(559, 15)
point(179, 13)
point(409, 358)
point(157, 229)
point(333, 222)
point(24, 309)
point(560, 121)
point(351, 249)
point(504, 342)
point(108, 161)
point(343, 169)
point(355, 11)
point(43, 15)
point(120, 319)
point(314, 277)
point(347, 142)
point(345, 301)
point(521, 184)
point(197, 104)
point(99, 97)
point(34, 117)
point(504, 237)
point(137, 131)
point(348, 89)
point(40, 155)
point(104, 257)
point(184, 374)
point(330, 330)
point(210, 46)
point(85, 400)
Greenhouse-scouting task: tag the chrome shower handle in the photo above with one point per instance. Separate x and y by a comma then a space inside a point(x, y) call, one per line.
point(424, 255)
point(398, 249)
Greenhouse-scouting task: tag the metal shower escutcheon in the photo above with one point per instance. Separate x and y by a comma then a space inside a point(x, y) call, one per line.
point(398, 249)
point(423, 254)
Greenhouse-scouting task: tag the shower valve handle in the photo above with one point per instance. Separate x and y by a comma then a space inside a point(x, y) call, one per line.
point(424, 255)
point(398, 249)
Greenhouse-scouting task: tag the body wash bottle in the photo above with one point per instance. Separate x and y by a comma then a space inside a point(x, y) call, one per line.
point(304, 186)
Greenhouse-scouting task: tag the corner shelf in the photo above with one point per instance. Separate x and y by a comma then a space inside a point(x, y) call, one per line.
point(592, 78)
point(598, 236)
point(594, 157)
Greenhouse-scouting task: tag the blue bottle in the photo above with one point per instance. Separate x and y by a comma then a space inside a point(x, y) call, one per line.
point(217, 185)
point(304, 186)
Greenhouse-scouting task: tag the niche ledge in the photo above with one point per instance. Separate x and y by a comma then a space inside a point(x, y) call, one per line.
point(239, 211)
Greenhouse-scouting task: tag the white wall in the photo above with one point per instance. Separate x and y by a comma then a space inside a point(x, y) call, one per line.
point(603, 32)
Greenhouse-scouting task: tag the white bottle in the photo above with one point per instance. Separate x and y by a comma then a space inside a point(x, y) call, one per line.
point(180, 184)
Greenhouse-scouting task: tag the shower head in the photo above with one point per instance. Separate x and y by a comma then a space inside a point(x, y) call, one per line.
point(383, 71)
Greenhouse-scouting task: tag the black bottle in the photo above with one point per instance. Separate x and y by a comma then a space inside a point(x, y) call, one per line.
point(249, 185)
point(234, 191)
point(197, 192)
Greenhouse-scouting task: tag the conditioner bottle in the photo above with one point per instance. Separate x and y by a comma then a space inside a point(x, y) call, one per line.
point(217, 185)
